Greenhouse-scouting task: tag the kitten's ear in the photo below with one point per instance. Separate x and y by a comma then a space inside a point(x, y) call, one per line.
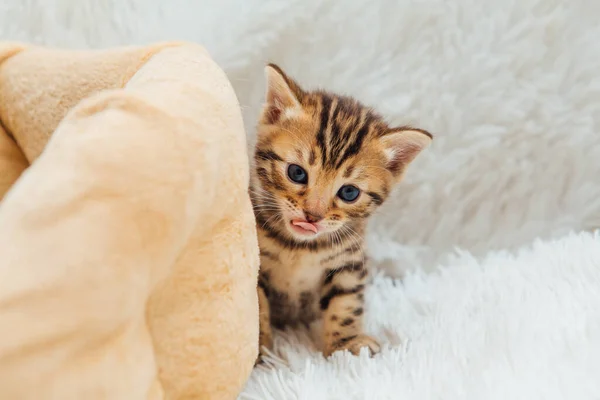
point(283, 94)
point(402, 145)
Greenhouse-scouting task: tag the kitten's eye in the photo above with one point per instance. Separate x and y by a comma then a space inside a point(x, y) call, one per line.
point(297, 174)
point(348, 193)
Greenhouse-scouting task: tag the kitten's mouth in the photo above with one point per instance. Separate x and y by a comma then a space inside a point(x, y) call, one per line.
point(304, 227)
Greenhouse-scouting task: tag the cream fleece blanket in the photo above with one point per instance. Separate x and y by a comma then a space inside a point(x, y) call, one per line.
point(128, 250)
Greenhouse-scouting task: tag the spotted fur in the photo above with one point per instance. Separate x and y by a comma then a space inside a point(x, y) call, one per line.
point(337, 141)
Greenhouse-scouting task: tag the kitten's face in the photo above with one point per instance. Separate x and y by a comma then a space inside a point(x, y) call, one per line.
point(324, 162)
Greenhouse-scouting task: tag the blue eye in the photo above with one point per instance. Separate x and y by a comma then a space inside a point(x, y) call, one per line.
point(348, 193)
point(297, 174)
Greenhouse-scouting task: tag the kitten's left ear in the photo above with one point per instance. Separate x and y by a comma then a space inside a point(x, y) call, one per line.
point(402, 145)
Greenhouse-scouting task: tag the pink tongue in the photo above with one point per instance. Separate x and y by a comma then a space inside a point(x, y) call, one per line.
point(307, 226)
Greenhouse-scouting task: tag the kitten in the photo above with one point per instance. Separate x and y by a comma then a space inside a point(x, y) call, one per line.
point(323, 164)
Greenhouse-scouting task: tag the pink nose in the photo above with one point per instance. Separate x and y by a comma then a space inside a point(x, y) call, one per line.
point(312, 216)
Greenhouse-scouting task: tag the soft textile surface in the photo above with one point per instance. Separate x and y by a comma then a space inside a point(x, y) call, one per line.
point(132, 224)
point(506, 327)
point(510, 90)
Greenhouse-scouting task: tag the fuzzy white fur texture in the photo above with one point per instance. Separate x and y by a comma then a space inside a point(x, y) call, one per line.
point(511, 92)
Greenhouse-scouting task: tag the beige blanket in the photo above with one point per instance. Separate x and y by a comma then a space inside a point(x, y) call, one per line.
point(128, 255)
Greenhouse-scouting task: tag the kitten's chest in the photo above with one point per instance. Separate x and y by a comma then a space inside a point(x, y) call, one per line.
point(295, 281)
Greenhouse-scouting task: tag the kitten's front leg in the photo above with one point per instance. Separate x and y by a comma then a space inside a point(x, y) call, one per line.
point(342, 303)
point(265, 337)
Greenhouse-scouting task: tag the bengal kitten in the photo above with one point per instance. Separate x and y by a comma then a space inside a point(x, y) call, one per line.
point(324, 163)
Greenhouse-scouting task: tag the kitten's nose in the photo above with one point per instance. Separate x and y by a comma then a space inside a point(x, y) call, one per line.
point(312, 216)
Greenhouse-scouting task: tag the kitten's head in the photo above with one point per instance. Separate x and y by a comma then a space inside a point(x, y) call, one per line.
point(324, 162)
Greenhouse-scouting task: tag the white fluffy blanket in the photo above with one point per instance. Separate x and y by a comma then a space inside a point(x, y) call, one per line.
point(511, 91)
point(506, 327)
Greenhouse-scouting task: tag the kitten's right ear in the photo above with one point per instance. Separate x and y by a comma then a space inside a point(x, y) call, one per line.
point(283, 95)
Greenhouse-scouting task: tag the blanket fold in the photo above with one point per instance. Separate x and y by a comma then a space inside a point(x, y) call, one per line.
point(129, 255)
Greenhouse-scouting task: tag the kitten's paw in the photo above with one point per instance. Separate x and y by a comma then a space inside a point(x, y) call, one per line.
point(266, 342)
point(354, 344)
point(259, 359)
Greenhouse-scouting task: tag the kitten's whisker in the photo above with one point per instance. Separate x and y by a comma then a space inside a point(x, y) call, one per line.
point(267, 200)
point(270, 218)
point(338, 235)
point(265, 207)
point(358, 240)
point(267, 204)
